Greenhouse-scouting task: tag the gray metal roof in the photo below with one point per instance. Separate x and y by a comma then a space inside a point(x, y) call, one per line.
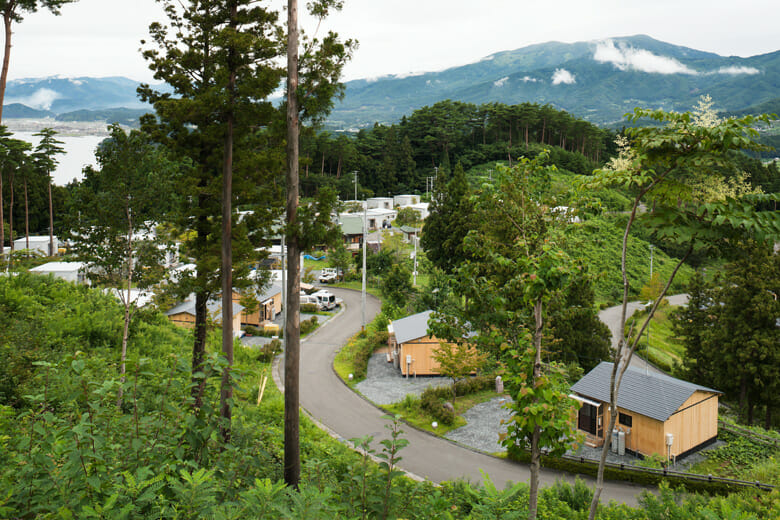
point(412, 327)
point(654, 395)
point(214, 307)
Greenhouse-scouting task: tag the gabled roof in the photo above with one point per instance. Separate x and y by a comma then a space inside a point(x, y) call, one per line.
point(351, 225)
point(653, 395)
point(409, 229)
point(214, 307)
point(412, 327)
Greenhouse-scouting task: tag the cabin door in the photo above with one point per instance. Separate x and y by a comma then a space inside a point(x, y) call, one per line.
point(587, 418)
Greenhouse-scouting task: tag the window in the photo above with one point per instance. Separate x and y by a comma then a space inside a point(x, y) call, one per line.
point(624, 419)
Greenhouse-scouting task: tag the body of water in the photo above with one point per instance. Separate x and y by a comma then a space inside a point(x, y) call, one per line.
point(79, 152)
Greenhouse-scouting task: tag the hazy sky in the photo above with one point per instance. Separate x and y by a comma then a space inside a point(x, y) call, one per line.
point(102, 37)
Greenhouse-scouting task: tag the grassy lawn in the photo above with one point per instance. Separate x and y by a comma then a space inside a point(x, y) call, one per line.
point(358, 286)
point(409, 409)
point(664, 349)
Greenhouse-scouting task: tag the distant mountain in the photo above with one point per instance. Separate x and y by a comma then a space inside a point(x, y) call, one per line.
point(59, 95)
point(123, 116)
point(598, 80)
point(17, 110)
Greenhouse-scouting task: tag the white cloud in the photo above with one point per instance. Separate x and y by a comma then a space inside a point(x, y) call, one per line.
point(407, 75)
point(526, 79)
point(41, 99)
point(737, 70)
point(562, 76)
point(500, 82)
point(627, 58)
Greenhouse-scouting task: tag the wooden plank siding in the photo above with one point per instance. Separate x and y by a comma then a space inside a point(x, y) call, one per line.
point(421, 350)
point(694, 423)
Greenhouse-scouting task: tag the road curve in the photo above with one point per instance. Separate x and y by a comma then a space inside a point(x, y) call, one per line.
point(611, 318)
point(347, 415)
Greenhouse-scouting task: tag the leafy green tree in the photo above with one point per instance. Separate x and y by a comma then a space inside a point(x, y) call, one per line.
point(451, 218)
point(457, 360)
point(15, 160)
point(517, 266)
point(691, 323)
point(407, 217)
point(397, 289)
point(663, 165)
point(46, 162)
point(737, 344)
point(218, 58)
point(13, 11)
point(115, 211)
point(340, 258)
point(578, 335)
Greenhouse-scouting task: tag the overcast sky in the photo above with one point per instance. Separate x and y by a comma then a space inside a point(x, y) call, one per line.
point(101, 37)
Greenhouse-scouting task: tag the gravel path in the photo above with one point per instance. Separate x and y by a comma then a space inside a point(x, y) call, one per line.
point(385, 385)
point(484, 426)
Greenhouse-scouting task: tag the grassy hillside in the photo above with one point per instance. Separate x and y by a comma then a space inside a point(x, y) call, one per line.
point(598, 242)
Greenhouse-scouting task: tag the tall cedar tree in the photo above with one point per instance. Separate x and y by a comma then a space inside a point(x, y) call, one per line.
point(312, 83)
point(222, 60)
point(15, 161)
point(13, 11)
point(45, 161)
point(218, 56)
point(450, 220)
point(666, 166)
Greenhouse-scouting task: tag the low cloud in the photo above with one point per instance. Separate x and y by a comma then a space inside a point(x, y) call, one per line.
point(563, 76)
point(527, 79)
point(41, 99)
point(501, 82)
point(624, 57)
point(734, 70)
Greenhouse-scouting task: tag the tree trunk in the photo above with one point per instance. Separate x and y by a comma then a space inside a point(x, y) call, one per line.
point(226, 388)
point(292, 331)
point(7, 15)
point(11, 215)
point(26, 218)
point(51, 222)
point(2, 219)
point(126, 329)
point(533, 495)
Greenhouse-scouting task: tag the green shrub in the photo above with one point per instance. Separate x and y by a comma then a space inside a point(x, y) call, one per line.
point(310, 307)
point(252, 330)
point(432, 401)
point(309, 325)
point(473, 385)
point(268, 351)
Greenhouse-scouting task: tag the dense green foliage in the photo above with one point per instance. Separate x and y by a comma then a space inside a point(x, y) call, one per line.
point(398, 158)
point(731, 333)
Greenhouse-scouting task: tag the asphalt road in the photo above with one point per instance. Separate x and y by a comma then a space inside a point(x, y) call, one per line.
point(611, 317)
point(347, 415)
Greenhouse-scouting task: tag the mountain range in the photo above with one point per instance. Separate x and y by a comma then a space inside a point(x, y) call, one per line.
point(597, 80)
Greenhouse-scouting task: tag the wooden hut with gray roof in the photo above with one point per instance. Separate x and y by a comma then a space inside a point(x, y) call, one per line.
point(657, 414)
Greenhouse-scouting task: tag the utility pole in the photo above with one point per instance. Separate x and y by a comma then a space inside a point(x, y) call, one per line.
point(356, 180)
point(363, 293)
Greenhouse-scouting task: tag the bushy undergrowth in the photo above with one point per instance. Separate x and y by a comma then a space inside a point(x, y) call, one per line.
point(68, 451)
point(353, 358)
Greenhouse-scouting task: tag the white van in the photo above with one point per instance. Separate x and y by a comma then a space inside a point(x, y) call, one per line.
point(326, 300)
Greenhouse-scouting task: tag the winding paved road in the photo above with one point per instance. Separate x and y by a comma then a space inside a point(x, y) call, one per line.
point(347, 415)
point(611, 317)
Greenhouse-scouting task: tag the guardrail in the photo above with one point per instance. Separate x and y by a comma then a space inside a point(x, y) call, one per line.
point(665, 472)
point(739, 430)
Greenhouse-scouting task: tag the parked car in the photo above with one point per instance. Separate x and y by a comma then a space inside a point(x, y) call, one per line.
point(326, 300)
point(329, 275)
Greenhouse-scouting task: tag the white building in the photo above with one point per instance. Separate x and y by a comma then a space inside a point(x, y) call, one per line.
point(421, 208)
point(39, 244)
point(405, 200)
point(70, 271)
point(379, 203)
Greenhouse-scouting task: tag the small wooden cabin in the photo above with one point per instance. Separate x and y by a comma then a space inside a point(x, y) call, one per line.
point(266, 306)
point(412, 347)
point(657, 414)
point(183, 314)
